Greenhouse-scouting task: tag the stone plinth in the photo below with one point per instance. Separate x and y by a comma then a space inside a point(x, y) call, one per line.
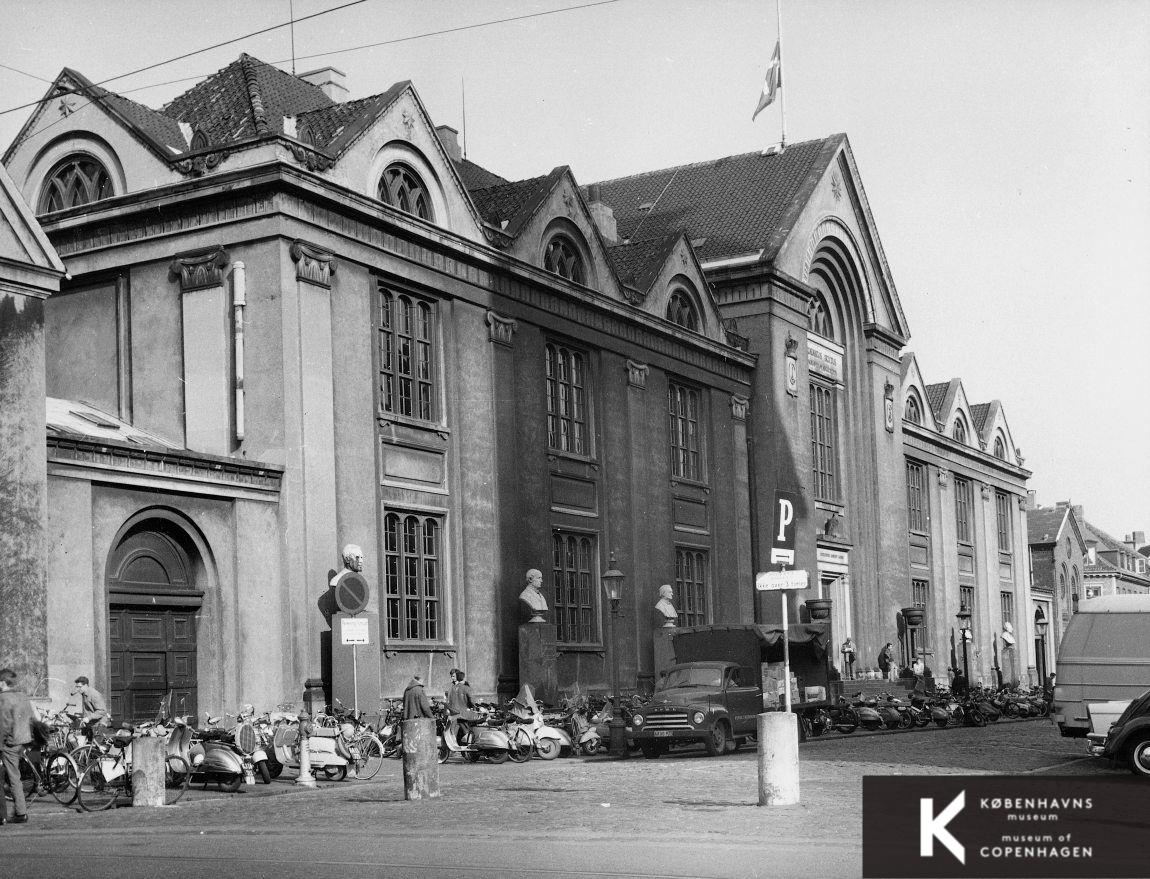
point(663, 651)
point(358, 664)
point(538, 661)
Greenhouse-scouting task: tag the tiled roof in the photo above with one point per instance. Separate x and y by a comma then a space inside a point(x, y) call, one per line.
point(333, 127)
point(978, 412)
point(935, 396)
point(246, 99)
point(1100, 536)
point(1103, 567)
point(1042, 524)
point(638, 262)
point(738, 203)
point(476, 177)
point(499, 204)
point(68, 418)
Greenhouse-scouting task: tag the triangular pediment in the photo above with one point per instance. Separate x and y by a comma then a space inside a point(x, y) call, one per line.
point(914, 387)
point(23, 244)
point(996, 427)
point(831, 211)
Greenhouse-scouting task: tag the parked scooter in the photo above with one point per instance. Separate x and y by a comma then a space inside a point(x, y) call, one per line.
point(573, 720)
point(471, 740)
point(868, 717)
point(524, 711)
point(212, 758)
point(254, 740)
point(330, 749)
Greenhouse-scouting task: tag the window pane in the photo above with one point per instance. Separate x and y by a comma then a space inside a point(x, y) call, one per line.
point(576, 586)
point(412, 576)
point(406, 356)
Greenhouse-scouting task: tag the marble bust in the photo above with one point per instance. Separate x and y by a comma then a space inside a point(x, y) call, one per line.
point(532, 596)
point(352, 563)
point(665, 608)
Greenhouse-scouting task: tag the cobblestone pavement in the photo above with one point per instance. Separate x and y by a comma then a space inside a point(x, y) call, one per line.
point(681, 815)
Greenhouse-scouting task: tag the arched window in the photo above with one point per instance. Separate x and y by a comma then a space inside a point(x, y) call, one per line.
point(999, 448)
point(77, 180)
point(401, 188)
point(912, 412)
point(681, 310)
point(958, 433)
point(199, 140)
point(819, 319)
point(561, 257)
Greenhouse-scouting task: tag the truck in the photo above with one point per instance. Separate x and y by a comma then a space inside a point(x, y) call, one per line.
point(714, 691)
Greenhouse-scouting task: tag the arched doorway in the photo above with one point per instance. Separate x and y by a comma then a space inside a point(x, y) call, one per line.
point(153, 605)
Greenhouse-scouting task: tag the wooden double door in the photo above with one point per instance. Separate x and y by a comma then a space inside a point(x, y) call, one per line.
point(152, 652)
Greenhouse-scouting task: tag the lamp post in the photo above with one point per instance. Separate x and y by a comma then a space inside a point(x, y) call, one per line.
point(963, 616)
point(613, 587)
point(1040, 625)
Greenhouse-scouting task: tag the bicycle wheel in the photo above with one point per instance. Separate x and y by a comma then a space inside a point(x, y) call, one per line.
point(84, 755)
point(29, 780)
point(520, 746)
point(98, 793)
point(61, 777)
point(177, 777)
point(371, 756)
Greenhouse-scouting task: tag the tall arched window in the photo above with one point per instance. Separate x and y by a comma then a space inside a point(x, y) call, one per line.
point(681, 310)
point(999, 448)
point(912, 412)
point(958, 433)
point(401, 187)
point(819, 319)
point(79, 179)
point(562, 257)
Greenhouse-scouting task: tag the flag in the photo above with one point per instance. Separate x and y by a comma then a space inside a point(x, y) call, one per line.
point(772, 84)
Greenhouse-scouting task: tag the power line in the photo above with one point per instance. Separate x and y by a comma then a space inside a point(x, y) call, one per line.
point(25, 73)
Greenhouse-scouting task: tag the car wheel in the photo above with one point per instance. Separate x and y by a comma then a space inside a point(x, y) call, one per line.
point(716, 741)
point(1140, 758)
point(548, 749)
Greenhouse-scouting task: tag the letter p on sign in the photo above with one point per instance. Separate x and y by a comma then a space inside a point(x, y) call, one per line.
point(783, 533)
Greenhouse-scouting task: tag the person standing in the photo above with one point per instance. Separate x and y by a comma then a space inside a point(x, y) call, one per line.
point(460, 706)
point(16, 715)
point(86, 704)
point(848, 651)
point(415, 701)
point(885, 658)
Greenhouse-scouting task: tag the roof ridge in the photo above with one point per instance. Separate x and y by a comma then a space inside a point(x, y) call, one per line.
point(705, 162)
point(255, 98)
point(511, 183)
point(201, 82)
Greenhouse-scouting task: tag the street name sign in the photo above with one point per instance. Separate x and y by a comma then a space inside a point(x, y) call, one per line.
point(770, 581)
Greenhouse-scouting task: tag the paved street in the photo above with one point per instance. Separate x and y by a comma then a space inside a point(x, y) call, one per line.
point(680, 816)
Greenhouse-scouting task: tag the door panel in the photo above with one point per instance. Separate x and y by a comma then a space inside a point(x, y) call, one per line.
point(152, 651)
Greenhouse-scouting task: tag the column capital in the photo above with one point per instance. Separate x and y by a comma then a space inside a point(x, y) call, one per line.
point(199, 269)
point(739, 407)
point(500, 329)
point(312, 263)
point(637, 374)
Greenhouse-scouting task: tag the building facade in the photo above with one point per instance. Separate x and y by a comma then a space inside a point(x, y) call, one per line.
point(1058, 557)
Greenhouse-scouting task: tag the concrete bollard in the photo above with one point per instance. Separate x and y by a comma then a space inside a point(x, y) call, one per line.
point(778, 734)
point(148, 769)
point(420, 763)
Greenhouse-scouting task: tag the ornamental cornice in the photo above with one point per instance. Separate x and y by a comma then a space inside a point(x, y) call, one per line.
point(500, 330)
point(198, 165)
point(312, 263)
point(199, 269)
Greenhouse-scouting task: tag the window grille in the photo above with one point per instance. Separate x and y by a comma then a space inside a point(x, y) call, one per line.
point(681, 310)
point(576, 585)
point(824, 443)
point(401, 187)
point(685, 429)
point(568, 400)
point(691, 596)
point(77, 180)
point(916, 497)
point(561, 257)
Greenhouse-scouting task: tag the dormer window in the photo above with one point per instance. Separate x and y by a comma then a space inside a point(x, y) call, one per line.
point(681, 310)
point(401, 188)
point(912, 412)
point(958, 433)
point(999, 448)
point(199, 141)
point(77, 180)
point(563, 259)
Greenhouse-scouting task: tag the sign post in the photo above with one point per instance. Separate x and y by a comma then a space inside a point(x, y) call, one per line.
point(782, 582)
point(351, 596)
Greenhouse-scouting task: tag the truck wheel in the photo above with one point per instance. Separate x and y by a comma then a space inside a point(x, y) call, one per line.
point(650, 750)
point(848, 721)
point(716, 742)
point(1140, 757)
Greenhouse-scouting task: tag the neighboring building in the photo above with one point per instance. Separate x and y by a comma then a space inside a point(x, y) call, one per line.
point(1113, 567)
point(293, 322)
point(1058, 557)
point(967, 523)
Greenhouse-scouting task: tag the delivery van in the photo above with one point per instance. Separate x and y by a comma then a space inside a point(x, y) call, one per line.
point(1104, 656)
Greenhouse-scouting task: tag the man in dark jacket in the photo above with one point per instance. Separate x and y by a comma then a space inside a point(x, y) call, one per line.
point(415, 701)
point(16, 716)
point(460, 706)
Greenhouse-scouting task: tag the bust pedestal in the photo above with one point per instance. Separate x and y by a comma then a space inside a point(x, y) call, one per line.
point(355, 666)
point(664, 653)
point(538, 660)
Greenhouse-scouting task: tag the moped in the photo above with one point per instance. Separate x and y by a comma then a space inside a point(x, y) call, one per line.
point(330, 749)
point(472, 740)
point(524, 712)
point(211, 757)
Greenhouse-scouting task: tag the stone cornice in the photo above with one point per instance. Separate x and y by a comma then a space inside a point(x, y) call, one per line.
point(278, 188)
point(919, 442)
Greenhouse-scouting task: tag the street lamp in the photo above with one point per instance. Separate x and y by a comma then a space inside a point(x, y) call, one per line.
point(963, 616)
point(1040, 626)
point(613, 587)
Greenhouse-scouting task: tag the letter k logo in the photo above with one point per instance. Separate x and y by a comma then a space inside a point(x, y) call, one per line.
point(933, 827)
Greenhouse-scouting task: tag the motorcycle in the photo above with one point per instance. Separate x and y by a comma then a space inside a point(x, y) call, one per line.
point(212, 758)
point(843, 718)
point(574, 722)
point(868, 717)
point(894, 714)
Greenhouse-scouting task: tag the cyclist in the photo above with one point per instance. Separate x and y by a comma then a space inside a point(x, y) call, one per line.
point(86, 705)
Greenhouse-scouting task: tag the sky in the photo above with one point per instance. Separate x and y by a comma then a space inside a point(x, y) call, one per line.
point(1004, 148)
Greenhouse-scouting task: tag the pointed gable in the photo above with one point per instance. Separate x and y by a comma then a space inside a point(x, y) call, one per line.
point(23, 244)
point(914, 386)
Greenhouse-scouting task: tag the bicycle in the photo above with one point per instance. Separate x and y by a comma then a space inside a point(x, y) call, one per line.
point(52, 773)
point(109, 776)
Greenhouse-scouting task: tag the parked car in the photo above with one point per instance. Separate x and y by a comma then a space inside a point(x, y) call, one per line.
point(1128, 740)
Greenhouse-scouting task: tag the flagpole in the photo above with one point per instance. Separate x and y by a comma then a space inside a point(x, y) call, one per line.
point(783, 91)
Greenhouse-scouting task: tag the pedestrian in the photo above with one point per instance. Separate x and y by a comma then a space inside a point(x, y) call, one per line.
point(885, 658)
point(415, 701)
point(16, 716)
point(848, 651)
point(460, 706)
point(86, 705)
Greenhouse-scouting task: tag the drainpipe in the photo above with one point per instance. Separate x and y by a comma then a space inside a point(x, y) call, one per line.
point(239, 285)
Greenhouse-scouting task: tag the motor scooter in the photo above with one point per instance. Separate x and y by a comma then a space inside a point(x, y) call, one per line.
point(252, 739)
point(471, 739)
point(547, 741)
point(330, 749)
point(211, 757)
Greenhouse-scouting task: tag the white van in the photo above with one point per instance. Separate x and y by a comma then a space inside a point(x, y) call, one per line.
point(1104, 656)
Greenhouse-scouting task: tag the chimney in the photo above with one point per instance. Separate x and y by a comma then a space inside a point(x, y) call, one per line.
point(1031, 499)
point(1135, 540)
point(330, 80)
point(602, 214)
point(449, 137)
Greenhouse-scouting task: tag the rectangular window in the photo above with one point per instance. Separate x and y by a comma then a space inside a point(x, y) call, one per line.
point(921, 598)
point(1002, 511)
point(916, 497)
point(567, 400)
point(412, 576)
point(691, 586)
point(684, 420)
point(1008, 607)
point(406, 355)
point(576, 587)
point(966, 599)
point(963, 505)
point(824, 447)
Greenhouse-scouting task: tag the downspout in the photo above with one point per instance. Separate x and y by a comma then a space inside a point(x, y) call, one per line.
point(239, 289)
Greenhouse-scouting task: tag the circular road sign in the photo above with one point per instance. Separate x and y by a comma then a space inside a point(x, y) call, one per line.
point(352, 593)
